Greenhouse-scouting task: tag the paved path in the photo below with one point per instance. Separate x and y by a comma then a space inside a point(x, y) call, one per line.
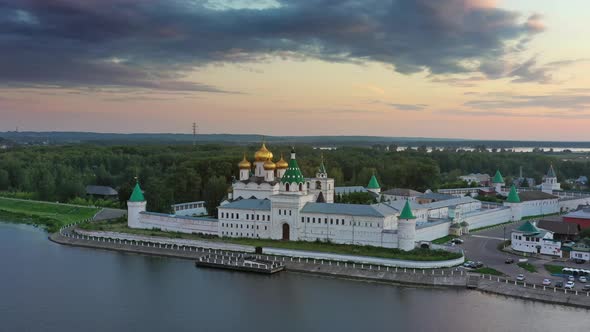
point(108, 213)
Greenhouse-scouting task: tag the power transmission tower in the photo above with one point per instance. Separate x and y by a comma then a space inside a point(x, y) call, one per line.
point(194, 133)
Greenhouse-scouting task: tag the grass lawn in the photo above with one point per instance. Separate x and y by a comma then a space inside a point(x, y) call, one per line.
point(528, 266)
point(52, 216)
point(120, 225)
point(553, 269)
point(488, 270)
point(444, 239)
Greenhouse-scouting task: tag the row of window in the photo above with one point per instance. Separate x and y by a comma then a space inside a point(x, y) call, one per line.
point(338, 222)
point(239, 234)
point(526, 238)
point(188, 206)
point(248, 226)
point(284, 212)
point(227, 215)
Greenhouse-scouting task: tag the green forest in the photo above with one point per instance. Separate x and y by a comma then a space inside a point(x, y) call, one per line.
point(179, 173)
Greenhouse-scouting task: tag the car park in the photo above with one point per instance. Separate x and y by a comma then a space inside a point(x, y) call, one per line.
point(509, 260)
point(570, 285)
point(546, 282)
point(478, 265)
point(583, 279)
point(520, 277)
point(586, 287)
point(559, 284)
point(468, 264)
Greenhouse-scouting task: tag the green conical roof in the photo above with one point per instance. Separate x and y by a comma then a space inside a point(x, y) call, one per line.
point(498, 178)
point(373, 184)
point(407, 212)
point(551, 172)
point(293, 173)
point(528, 228)
point(322, 168)
point(137, 194)
point(513, 196)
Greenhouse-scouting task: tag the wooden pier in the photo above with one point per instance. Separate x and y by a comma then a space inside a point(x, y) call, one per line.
point(240, 262)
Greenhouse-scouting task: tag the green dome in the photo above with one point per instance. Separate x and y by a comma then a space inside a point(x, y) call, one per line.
point(513, 196)
point(407, 212)
point(373, 184)
point(137, 194)
point(498, 178)
point(293, 173)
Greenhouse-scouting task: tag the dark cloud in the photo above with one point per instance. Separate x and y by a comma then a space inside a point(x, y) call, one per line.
point(149, 44)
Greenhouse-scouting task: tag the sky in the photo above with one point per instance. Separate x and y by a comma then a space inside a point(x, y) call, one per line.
point(477, 69)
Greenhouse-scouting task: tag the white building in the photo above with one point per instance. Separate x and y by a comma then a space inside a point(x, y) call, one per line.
point(275, 201)
point(550, 183)
point(529, 238)
point(190, 209)
point(400, 194)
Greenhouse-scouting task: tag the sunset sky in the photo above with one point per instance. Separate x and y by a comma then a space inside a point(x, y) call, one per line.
point(512, 69)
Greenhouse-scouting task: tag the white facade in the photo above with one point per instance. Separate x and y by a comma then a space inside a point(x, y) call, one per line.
point(536, 243)
point(190, 209)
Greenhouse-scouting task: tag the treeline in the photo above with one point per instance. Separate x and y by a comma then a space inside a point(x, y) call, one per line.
point(181, 173)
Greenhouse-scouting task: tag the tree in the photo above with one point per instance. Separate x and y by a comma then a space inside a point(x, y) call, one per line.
point(4, 180)
point(213, 193)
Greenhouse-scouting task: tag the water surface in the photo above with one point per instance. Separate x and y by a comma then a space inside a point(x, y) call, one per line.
point(48, 287)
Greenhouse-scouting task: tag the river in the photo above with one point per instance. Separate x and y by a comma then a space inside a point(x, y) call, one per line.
point(48, 287)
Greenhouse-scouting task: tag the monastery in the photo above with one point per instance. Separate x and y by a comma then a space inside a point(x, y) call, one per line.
point(274, 200)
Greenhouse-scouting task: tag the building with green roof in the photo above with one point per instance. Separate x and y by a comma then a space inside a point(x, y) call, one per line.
point(498, 177)
point(373, 185)
point(407, 212)
point(513, 196)
point(137, 194)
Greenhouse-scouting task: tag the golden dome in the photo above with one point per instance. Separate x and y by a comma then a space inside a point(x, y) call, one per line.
point(263, 154)
point(282, 164)
point(244, 164)
point(269, 165)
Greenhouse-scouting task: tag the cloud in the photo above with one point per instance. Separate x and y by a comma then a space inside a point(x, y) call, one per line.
point(152, 44)
point(558, 101)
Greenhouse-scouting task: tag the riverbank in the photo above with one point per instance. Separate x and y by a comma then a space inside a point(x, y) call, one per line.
point(52, 216)
point(456, 278)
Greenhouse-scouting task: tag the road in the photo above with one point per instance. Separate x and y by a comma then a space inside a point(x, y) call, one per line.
point(483, 246)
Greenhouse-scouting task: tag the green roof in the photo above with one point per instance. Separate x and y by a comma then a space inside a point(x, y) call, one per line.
point(137, 194)
point(498, 178)
point(407, 212)
point(322, 168)
point(513, 196)
point(528, 228)
point(551, 172)
point(293, 173)
point(373, 184)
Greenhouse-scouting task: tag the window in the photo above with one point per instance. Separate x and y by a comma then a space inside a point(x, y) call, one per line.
point(313, 220)
point(258, 217)
point(302, 219)
point(265, 227)
point(279, 212)
point(247, 216)
point(289, 212)
point(301, 187)
point(286, 187)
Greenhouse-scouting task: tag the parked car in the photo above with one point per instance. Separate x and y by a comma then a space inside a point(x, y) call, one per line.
point(569, 285)
point(520, 277)
point(468, 264)
point(546, 282)
point(571, 278)
point(509, 260)
point(583, 279)
point(457, 241)
point(559, 284)
point(579, 261)
point(586, 287)
point(478, 265)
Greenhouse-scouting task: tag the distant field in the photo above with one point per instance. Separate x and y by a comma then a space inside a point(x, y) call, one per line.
point(417, 254)
point(50, 215)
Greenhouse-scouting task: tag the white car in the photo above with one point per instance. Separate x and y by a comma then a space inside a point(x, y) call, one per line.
point(583, 279)
point(571, 278)
point(520, 277)
point(546, 282)
point(570, 285)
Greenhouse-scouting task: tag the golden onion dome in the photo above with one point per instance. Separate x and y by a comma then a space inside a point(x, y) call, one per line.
point(269, 165)
point(282, 164)
point(263, 154)
point(244, 164)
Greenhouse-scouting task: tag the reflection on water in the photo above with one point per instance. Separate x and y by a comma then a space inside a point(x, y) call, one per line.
point(48, 287)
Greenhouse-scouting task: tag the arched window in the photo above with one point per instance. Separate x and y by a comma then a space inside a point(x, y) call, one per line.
point(301, 186)
point(318, 185)
point(286, 187)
